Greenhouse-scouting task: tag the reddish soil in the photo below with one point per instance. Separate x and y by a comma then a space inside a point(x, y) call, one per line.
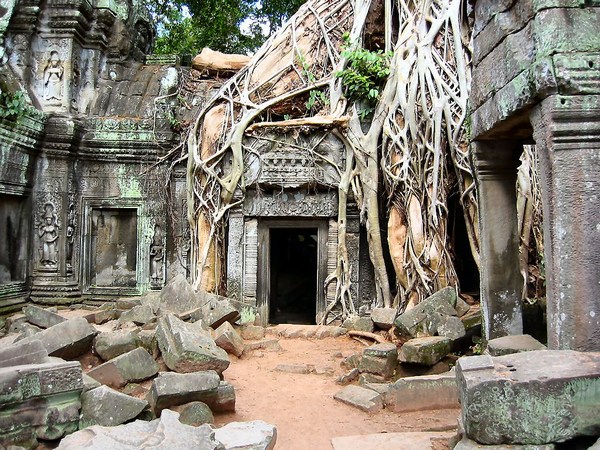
point(302, 405)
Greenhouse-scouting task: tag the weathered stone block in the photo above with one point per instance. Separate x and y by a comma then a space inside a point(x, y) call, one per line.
point(516, 399)
point(186, 347)
point(223, 400)
point(164, 433)
point(107, 407)
point(217, 309)
point(380, 359)
point(178, 297)
point(229, 340)
point(426, 350)
point(140, 315)
point(195, 414)
point(41, 317)
point(422, 393)
point(110, 344)
point(359, 324)
point(89, 383)
point(361, 398)
point(130, 367)
point(422, 318)
point(506, 345)
point(148, 341)
point(21, 353)
point(450, 327)
point(68, 339)
point(172, 389)
point(383, 317)
point(255, 435)
point(252, 332)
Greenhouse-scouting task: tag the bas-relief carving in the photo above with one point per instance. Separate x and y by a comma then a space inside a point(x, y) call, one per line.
point(157, 257)
point(53, 79)
point(295, 204)
point(48, 234)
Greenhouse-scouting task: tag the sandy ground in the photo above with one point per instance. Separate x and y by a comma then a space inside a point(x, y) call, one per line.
point(302, 405)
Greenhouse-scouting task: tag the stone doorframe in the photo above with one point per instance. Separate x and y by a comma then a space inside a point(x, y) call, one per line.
point(264, 261)
point(535, 80)
point(142, 240)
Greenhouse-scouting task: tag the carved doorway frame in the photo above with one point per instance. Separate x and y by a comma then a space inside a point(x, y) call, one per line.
point(264, 261)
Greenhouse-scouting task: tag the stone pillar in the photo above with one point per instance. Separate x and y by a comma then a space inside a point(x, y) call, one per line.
point(496, 165)
point(567, 134)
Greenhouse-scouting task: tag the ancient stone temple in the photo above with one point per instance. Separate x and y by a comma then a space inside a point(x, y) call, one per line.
point(83, 210)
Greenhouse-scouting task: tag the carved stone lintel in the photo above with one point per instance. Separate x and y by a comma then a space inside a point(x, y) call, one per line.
point(291, 204)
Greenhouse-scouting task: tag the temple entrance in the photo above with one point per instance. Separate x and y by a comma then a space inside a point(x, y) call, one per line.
point(291, 271)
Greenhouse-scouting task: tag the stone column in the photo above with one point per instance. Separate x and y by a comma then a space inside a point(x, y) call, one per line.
point(496, 165)
point(567, 134)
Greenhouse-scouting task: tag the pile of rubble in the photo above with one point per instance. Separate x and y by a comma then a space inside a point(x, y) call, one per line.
point(45, 395)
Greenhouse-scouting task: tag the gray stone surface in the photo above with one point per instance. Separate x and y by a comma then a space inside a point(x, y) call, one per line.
point(186, 347)
point(379, 359)
point(68, 339)
point(39, 401)
point(468, 444)
point(348, 377)
point(422, 393)
point(89, 383)
point(229, 339)
point(399, 441)
point(20, 353)
point(42, 317)
point(361, 398)
point(178, 297)
point(426, 350)
point(110, 344)
point(217, 309)
point(553, 405)
point(140, 315)
point(422, 318)
point(195, 414)
point(450, 327)
point(255, 435)
point(27, 330)
point(461, 307)
point(359, 324)
point(136, 365)
point(223, 400)
point(107, 407)
point(306, 331)
point(383, 317)
point(160, 434)
point(252, 332)
point(513, 344)
point(148, 341)
point(172, 389)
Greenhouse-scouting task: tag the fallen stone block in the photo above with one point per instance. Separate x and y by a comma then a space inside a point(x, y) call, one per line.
point(127, 303)
point(68, 339)
point(27, 330)
point(21, 353)
point(507, 345)
point(302, 369)
point(195, 414)
point(178, 297)
point(351, 362)
point(426, 350)
point(89, 383)
point(379, 359)
point(14, 322)
point(366, 379)
point(41, 317)
point(255, 435)
point(39, 401)
point(148, 341)
point(532, 397)
point(217, 309)
point(461, 307)
point(139, 315)
point(223, 400)
point(136, 365)
point(383, 317)
point(107, 407)
point(359, 324)
point(450, 327)
point(229, 340)
point(270, 345)
point(102, 316)
point(172, 389)
point(421, 319)
point(326, 331)
point(408, 441)
point(186, 347)
point(252, 332)
point(467, 444)
point(422, 393)
point(164, 433)
point(361, 398)
point(110, 344)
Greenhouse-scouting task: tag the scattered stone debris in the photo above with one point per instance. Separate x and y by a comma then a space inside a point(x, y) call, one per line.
point(422, 393)
point(364, 399)
point(383, 318)
point(195, 414)
point(43, 318)
point(110, 344)
point(379, 359)
point(358, 323)
point(136, 365)
point(68, 339)
point(255, 435)
point(108, 407)
point(229, 339)
point(426, 350)
point(513, 344)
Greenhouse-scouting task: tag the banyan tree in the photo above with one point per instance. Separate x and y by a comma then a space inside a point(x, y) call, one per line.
point(390, 80)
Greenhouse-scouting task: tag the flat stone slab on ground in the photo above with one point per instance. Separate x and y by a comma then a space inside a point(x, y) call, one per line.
point(107, 407)
point(255, 435)
point(68, 339)
point(164, 433)
point(557, 393)
point(422, 393)
point(294, 368)
point(399, 441)
point(21, 353)
point(186, 347)
point(292, 331)
point(426, 350)
point(42, 317)
point(506, 345)
point(468, 444)
point(361, 398)
point(172, 389)
point(136, 365)
point(110, 344)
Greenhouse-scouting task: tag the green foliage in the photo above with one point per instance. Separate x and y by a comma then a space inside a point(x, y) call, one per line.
point(317, 99)
point(364, 74)
point(230, 26)
point(12, 105)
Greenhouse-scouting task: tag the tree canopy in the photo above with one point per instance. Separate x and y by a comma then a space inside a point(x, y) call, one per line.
point(230, 26)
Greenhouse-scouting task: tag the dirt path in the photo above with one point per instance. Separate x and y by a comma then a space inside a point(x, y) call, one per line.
point(302, 405)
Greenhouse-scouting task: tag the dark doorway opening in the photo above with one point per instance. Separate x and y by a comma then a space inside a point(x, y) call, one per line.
point(293, 269)
point(466, 267)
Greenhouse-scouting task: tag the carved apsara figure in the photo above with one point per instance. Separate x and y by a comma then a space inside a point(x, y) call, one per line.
point(157, 255)
point(53, 74)
point(48, 232)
